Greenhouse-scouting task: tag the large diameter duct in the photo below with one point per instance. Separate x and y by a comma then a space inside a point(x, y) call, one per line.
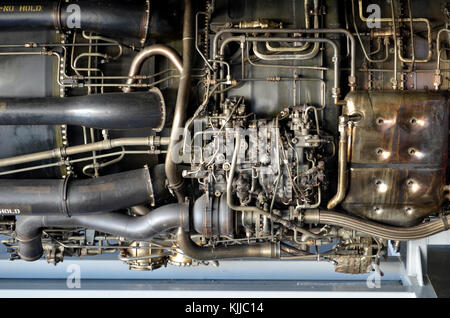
point(68, 197)
point(29, 228)
point(114, 18)
point(106, 111)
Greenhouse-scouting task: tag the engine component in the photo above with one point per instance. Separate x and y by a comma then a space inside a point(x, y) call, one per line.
point(112, 18)
point(258, 250)
point(143, 256)
point(289, 133)
point(67, 197)
point(398, 155)
point(29, 228)
point(213, 218)
point(144, 110)
point(174, 178)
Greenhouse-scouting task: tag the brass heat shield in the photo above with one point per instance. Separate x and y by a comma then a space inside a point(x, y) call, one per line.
point(397, 155)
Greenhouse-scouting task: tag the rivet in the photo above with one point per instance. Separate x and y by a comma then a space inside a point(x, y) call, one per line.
point(377, 210)
point(381, 186)
point(380, 121)
point(379, 151)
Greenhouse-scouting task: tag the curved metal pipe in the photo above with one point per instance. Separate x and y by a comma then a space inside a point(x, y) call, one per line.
point(29, 228)
point(283, 57)
point(375, 229)
point(352, 78)
point(336, 91)
point(191, 249)
point(305, 46)
point(342, 165)
point(300, 56)
point(173, 175)
point(144, 54)
point(404, 20)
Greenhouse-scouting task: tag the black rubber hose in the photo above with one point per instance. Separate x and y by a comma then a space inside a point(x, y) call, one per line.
point(75, 197)
point(258, 250)
point(106, 111)
point(29, 228)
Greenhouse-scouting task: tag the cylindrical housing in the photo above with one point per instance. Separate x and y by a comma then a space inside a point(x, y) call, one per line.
point(107, 111)
point(114, 18)
point(212, 216)
point(67, 197)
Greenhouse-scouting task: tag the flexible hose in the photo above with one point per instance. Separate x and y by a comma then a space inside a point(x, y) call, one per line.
point(377, 230)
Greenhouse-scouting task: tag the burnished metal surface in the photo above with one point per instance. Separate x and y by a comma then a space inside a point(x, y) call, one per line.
point(398, 155)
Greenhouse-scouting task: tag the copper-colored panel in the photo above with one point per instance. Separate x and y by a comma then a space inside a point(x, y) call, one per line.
point(398, 155)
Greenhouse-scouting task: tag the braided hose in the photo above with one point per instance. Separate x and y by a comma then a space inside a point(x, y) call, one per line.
point(375, 229)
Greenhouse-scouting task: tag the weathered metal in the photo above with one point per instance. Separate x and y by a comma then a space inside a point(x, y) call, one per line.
point(398, 155)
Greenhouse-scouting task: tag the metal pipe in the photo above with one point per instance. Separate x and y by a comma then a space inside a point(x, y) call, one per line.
point(352, 78)
point(342, 164)
point(254, 209)
point(438, 48)
point(437, 75)
point(173, 175)
point(280, 66)
point(106, 144)
point(375, 229)
point(283, 57)
point(336, 88)
point(307, 26)
point(362, 44)
point(410, 19)
point(119, 154)
point(259, 250)
point(394, 27)
point(144, 54)
point(124, 19)
point(105, 111)
point(316, 47)
point(29, 228)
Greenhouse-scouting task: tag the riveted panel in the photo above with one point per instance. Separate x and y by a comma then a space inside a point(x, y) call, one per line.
point(397, 155)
